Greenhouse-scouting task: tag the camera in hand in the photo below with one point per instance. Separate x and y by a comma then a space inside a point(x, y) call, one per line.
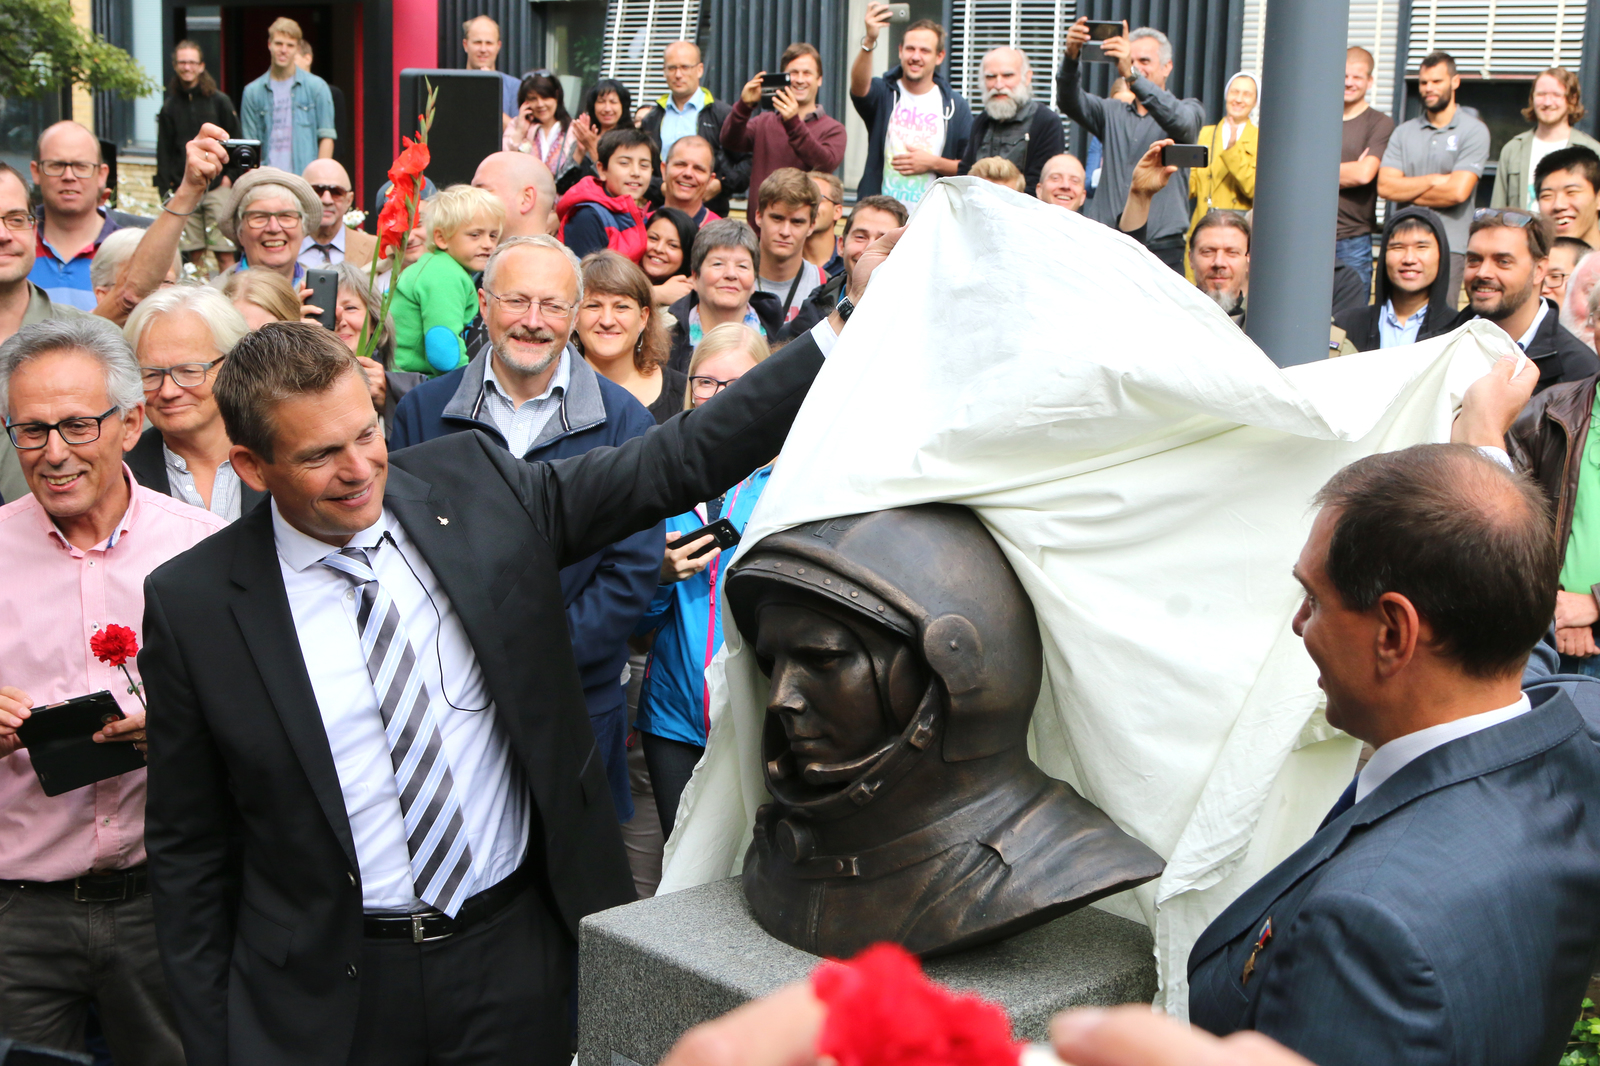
point(899, 13)
point(1186, 155)
point(242, 154)
point(324, 286)
point(1099, 31)
point(770, 84)
point(725, 537)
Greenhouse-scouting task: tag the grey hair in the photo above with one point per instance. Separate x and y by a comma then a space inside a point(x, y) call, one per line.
point(724, 233)
point(222, 319)
point(112, 253)
point(272, 188)
point(1027, 67)
point(95, 336)
point(356, 281)
point(537, 240)
point(1155, 35)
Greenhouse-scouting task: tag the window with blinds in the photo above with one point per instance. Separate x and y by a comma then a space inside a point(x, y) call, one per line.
point(637, 31)
point(1498, 38)
point(1374, 25)
point(1038, 27)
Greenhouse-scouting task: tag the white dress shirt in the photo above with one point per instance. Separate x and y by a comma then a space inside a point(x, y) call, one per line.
point(1527, 338)
point(494, 798)
point(1402, 751)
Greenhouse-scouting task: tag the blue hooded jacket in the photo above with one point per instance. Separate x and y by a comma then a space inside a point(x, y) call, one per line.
point(605, 594)
point(687, 618)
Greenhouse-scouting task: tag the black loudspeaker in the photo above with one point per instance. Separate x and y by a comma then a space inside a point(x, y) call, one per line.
point(466, 119)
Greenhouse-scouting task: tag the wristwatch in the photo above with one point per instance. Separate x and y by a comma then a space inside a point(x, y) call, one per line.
point(844, 307)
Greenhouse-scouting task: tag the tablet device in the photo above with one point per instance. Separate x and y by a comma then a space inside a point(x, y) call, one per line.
point(60, 743)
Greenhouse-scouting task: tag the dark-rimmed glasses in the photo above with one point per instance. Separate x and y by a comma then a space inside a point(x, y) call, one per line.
point(31, 436)
point(57, 167)
point(184, 375)
point(704, 388)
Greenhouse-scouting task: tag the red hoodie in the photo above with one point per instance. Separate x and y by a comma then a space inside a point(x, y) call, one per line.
point(593, 219)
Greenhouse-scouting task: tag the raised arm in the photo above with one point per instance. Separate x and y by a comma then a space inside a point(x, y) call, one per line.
point(1179, 119)
point(1088, 111)
point(861, 67)
point(147, 267)
point(593, 499)
point(1149, 178)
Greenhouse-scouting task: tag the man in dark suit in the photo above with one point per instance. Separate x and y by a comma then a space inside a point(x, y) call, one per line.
point(377, 812)
point(1444, 912)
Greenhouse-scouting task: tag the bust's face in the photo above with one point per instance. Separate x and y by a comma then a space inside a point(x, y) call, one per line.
point(823, 690)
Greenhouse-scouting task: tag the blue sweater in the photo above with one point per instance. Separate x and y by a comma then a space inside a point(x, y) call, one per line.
point(688, 615)
point(605, 594)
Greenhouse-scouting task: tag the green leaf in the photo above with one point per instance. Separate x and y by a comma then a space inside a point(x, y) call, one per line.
point(42, 51)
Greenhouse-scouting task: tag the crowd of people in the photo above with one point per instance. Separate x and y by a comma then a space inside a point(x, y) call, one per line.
point(172, 389)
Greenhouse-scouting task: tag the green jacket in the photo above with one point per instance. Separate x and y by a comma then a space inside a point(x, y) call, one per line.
point(1515, 170)
point(435, 292)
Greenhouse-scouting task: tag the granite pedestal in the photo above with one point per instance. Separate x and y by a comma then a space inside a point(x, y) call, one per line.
point(652, 969)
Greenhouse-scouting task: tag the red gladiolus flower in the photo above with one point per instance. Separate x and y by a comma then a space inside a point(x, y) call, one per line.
point(882, 1011)
point(114, 645)
point(405, 175)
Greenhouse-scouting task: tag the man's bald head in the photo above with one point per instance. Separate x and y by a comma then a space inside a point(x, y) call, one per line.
point(325, 176)
point(68, 140)
point(525, 186)
point(681, 52)
point(69, 171)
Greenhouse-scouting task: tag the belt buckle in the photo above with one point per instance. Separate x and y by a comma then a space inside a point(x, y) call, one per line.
point(77, 891)
point(417, 934)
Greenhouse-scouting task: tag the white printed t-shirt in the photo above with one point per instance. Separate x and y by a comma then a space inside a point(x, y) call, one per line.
point(915, 122)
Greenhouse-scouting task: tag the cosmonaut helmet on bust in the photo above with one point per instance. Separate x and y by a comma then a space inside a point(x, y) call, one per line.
point(954, 644)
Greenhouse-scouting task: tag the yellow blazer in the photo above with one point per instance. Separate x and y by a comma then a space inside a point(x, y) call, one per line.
point(1230, 180)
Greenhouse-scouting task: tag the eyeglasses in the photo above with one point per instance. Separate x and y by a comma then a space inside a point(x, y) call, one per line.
point(258, 219)
point(31, 436)
point(18, 221)
point(1509, 216)
point(1554, 277)
point(519, 305)
point(57, 167)
point(681, 68)
point(184, 375)
point(334, 191)
point(705, 388)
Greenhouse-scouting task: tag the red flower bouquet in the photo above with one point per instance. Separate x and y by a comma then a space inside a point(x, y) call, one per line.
point(882, 1011)
point(115, 645)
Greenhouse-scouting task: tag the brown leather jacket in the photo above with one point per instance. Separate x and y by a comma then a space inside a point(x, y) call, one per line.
point(1546, 442)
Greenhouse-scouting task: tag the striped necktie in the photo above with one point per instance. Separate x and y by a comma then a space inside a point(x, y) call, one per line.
point(436, 836)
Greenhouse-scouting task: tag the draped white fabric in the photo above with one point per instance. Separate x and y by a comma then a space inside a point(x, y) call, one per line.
point(1148, 472)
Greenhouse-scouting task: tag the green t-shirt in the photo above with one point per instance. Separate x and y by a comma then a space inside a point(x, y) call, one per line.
point(434, 291)
point(1581, 570)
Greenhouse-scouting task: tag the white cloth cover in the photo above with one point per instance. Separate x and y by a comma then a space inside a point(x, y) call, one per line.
point(1148, 471)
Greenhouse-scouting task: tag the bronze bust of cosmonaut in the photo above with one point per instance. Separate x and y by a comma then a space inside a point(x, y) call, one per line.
point(905, 659)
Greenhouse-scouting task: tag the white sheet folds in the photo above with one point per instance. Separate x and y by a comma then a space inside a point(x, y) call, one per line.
point(1148, 471)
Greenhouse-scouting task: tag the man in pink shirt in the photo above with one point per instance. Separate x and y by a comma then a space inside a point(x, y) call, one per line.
point(75, 919)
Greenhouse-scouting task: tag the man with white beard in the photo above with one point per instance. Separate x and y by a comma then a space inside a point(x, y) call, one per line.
point(1012, 125)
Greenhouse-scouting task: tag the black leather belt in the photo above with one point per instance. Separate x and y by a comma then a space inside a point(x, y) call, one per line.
point(424, 926)
point(95, 888)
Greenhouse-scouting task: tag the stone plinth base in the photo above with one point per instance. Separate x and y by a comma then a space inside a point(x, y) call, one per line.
point(652, 969)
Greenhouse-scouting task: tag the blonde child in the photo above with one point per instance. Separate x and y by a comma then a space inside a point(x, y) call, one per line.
point(435, 299)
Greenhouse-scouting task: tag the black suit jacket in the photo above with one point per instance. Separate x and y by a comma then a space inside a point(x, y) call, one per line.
point(1448, 918)
point(149, 466)
point(254, 875)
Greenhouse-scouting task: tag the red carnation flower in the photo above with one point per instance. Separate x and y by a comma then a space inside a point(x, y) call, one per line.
point(882, 1011)
point(114, 645)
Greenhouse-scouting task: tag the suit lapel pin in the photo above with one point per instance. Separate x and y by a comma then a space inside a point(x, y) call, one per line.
point(443, 521)
point(1261, 942)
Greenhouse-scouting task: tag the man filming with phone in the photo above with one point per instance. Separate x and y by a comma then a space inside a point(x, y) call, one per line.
point(1144, 61)
point(784, 126)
